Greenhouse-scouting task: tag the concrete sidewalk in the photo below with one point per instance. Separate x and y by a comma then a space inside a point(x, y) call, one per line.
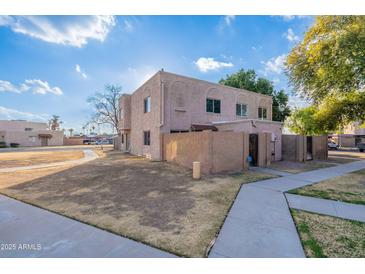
point(328, 207)
point(29, 227)
point(259, 223)
point(89, 155)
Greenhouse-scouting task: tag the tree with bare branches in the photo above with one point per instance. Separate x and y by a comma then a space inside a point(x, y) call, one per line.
point(106, 106)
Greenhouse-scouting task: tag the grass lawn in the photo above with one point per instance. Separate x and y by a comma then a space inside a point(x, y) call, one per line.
point(347, 188)
point(325, 236)
point(297, 167)
point(153, 202)
point(340, 160)
point(28, 158)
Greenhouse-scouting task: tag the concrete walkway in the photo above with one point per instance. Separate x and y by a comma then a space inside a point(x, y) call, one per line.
point(328, 207)
point(88, 156)
point(57, 236)
point(259, 223)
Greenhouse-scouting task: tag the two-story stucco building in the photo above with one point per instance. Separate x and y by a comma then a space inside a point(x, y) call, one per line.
point(170, 103)
point(27, 133)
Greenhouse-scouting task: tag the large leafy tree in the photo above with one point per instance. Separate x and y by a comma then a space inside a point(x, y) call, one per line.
point(248, 79)
point(328, 69)
point(304, 121)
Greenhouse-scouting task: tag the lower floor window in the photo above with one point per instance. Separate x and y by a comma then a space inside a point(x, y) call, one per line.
point(146, 138)
point(122, 138)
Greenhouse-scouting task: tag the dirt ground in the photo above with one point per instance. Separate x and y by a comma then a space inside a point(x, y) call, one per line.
point(152, 202)
point(347, 154)
point(325, 236)
point(347, 188)
point(28, 158)
point(297, 167)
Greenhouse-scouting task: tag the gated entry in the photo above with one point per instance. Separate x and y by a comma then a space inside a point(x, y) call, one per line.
point(253, 148)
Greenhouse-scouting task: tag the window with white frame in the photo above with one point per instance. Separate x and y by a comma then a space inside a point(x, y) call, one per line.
point(147, 104)
point(213, 105)
point(262, 113)
point(241, 110)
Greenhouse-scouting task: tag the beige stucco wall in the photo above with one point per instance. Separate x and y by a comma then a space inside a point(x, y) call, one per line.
point(256, 126)
point(185, 102)
point(177, 102)
point(294, 147)
point(141, 121)
point(216, 151)
point(320, 147)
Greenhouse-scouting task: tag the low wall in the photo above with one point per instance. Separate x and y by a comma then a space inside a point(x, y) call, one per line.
point(73, 141)
point(294, 147)
point(216, 151)
point(320, 147)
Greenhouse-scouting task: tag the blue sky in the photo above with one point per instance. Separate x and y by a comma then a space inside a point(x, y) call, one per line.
point(51, 64)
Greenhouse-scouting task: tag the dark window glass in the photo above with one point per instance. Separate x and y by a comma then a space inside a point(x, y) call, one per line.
point(146, 137)
point(209, 105)
point(122, 138)
point(217, 106)
point(238, 109)
point(260, 113)
point(264, 113)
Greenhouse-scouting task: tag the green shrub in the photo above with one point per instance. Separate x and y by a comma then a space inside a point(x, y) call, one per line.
point(2, 144)
point(14, 144)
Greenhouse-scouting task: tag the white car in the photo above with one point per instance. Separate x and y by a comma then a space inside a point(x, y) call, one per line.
point(332, 145)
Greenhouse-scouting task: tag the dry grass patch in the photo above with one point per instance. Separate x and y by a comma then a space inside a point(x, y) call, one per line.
point(297, 167)
point(347, 188)
point(325, 236)
point(28, 158)
point(152, 202)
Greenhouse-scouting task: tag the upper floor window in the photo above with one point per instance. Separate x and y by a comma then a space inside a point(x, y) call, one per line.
point(147, 104)
point(241, 110)
point(121, 114)
point(262, 113)
point(213, 105)
point(28, 129)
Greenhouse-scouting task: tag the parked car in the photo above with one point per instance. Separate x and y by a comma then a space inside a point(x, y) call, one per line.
point(89, 142)
point(361, 147)
point(332, 145)
point(102, 142)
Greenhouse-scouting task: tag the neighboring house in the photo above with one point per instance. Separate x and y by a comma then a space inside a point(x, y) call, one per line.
point(170, 103)
point(29, 134)
point(354, 133)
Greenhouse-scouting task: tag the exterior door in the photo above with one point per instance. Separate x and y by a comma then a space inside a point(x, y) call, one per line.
point(253, 148)
point(309, 148)
point(44, 141)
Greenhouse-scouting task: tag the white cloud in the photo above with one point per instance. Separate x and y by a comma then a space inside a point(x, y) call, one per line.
point(34, 86)
point(71, 30)
point(13, 114)
point(78, 70)
point(290, 35)
point(128, 26)
point(275, 64)
point(205, 64)
point(132, 78)
point(292, 17)
point(228, 19)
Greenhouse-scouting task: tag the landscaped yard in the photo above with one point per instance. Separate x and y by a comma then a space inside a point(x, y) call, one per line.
point(297, 167)
point(325, 236)
point(152, 202)
point(347, 188)
point(27, 158)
